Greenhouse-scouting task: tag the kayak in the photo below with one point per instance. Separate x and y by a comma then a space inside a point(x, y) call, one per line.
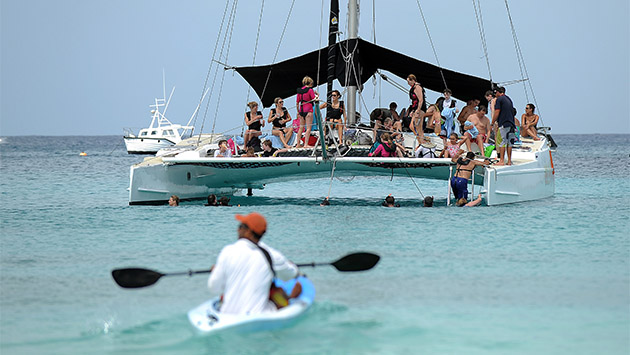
point(207, 318)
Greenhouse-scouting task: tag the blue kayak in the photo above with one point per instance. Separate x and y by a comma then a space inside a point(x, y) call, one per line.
point(207, 317)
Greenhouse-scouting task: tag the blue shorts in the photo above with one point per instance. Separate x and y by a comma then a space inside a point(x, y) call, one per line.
point(460, 187)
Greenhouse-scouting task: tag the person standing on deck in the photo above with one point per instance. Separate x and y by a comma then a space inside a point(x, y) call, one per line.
point(243, 274)
point(504, 117)
point(491, 101)
point(305, 96)
point(417, 108)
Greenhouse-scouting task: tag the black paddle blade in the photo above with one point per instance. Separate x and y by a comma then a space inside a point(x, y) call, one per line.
point(135, 277)
point(356, 262)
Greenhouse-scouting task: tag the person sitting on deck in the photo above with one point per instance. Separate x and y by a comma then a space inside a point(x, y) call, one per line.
point(397, 118)
point(378, 117)
point(386, 127)
point(387, 148)
point(254, 121)
point(279, 117)
point(482, 123)
point(269, 150)
point(434, 120)
point(335, 114)
point(390, 201)
point(468, 110)
point(465, 168)
point(250, 153)
point(223, 151)
point(529, 120)
point(452, 150)
point(243, 272)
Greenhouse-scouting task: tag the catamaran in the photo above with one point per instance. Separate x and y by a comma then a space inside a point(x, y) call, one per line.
point(194, 173)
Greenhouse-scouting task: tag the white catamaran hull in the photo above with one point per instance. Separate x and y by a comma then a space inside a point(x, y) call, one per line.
point(525, 181)
point(197, 177)
point(137, 145)
point(193, 177)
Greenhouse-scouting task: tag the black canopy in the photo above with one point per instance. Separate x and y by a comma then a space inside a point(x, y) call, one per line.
point(283, 78)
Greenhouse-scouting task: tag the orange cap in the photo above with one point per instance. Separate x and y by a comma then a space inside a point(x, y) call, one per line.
point(254, 221)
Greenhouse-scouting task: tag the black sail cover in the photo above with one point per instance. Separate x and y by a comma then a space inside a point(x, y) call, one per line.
point(283, 78)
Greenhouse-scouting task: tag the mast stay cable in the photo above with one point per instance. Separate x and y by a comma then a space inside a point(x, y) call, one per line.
point(205, 84)
point(432, 45)
point(521, 62)
point(482, 34)
point(284, 29)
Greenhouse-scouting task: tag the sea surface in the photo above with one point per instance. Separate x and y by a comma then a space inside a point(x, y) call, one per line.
point(543, 277)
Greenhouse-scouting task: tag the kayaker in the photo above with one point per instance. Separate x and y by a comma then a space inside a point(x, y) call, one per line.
point(243, 274)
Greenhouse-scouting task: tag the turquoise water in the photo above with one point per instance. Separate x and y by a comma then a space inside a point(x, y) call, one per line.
point(549, 276)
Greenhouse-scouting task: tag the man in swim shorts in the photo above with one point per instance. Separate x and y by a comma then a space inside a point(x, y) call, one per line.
point(504, 116)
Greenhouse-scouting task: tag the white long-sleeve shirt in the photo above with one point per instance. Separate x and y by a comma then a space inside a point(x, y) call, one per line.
point(242, 274)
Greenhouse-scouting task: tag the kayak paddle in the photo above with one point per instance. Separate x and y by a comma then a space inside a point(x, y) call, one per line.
point(138, 277)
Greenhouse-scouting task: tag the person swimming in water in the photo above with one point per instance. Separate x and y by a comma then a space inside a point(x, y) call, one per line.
point(390, 201)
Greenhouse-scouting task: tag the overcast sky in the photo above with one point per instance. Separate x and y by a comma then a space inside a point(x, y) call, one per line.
point(93, 67)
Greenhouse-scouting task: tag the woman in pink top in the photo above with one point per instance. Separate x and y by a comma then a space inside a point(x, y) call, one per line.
point(387, 148)
point(305, 110)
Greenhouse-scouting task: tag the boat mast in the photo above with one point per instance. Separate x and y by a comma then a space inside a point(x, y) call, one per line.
point(353, 33)
point(333, 29)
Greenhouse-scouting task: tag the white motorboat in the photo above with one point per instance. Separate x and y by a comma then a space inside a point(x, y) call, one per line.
point(161, 133)
point(194, 173)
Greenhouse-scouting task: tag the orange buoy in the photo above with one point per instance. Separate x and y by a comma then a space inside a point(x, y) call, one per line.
point(83, 154)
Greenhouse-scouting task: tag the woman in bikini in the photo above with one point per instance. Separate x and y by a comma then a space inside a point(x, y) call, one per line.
point(336, 113)
point(465, 168)
point(254, 121)
point(279, 117)
point(529, 121)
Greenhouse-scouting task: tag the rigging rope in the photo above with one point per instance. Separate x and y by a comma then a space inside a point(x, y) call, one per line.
point(432, 45)
point(521, 62)
point(249, 88)
point(412, 180)
point(205, 84)
point(482, 35)
point(227, 54)
point(286, 22)
point(319, 52)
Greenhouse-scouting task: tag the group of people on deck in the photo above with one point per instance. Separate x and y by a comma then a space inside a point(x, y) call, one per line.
point(443, 118)
point(280, 117)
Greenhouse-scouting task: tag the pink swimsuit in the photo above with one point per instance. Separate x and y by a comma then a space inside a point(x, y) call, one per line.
point(452, 149)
